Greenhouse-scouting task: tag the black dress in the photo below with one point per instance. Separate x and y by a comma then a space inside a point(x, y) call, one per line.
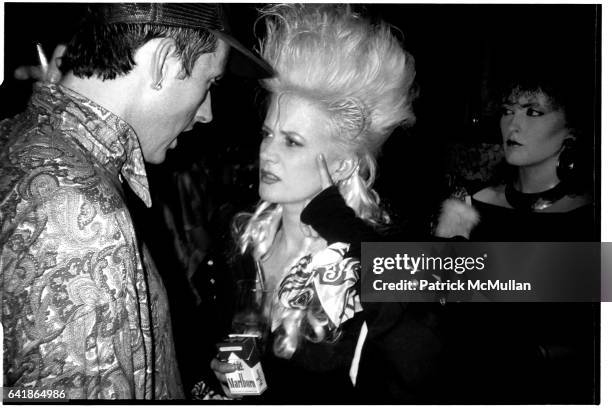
point(525, 352)
point(507, 224)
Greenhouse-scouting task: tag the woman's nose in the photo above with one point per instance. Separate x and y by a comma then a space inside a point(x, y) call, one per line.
point(267, 150)
point(515, 123)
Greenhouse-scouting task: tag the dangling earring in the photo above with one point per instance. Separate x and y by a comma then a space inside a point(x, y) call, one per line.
point(567, 160)
point(158, 85)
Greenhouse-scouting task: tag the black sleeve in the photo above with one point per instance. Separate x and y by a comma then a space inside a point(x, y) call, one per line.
point(335, 221)
point(326, 356)
point(401, 358)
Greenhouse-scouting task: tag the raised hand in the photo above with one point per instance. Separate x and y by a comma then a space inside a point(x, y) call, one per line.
point(326, 181)
point(36, 72)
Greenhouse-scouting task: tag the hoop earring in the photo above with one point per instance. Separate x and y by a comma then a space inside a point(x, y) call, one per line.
point(567, 160)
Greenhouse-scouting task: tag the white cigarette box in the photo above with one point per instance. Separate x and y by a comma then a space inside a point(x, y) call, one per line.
point(248, 379)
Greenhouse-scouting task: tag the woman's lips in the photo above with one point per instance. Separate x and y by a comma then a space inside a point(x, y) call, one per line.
point(268, 177)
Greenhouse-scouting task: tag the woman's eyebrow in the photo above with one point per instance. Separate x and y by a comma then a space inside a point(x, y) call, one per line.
point(291, 133)
point(530, 104)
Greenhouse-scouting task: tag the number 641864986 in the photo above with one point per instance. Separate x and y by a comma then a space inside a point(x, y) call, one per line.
point(21, 394)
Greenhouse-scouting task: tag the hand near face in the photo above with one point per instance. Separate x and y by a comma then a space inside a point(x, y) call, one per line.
point(295, 132)
point(35, 72)
point(326, 181)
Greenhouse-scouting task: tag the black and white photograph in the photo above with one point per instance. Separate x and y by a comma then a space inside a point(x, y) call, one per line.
point(187, 192)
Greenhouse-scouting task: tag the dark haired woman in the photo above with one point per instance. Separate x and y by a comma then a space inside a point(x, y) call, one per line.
point(531, 353)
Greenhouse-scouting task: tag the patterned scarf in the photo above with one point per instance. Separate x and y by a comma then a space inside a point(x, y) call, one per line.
point(329, 277)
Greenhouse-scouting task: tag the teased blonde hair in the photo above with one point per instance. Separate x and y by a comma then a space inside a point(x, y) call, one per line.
point(358, 73)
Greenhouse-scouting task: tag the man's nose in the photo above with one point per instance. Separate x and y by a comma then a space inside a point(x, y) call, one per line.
point(204, 112)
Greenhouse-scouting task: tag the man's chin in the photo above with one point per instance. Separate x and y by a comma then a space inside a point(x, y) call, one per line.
point(157, 158)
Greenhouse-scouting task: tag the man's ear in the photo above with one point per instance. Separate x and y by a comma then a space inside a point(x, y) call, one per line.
point(345, 168)
point(164, 63)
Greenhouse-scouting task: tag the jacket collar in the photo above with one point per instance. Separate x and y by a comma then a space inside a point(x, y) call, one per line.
point(110, 140)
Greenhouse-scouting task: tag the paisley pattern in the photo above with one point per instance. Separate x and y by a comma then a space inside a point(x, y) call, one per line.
point(83, 308)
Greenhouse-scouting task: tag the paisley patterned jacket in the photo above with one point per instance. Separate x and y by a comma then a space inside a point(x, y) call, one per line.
point(83, 308)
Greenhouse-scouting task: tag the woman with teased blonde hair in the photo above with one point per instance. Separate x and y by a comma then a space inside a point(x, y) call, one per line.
point(343, 84)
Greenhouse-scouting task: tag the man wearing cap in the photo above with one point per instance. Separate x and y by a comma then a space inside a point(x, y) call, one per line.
point(83, 308)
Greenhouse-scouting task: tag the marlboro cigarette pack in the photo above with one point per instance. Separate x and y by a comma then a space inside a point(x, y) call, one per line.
point(248, 379)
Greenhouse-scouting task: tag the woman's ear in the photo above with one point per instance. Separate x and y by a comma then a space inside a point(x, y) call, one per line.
point(164, 63)
point(569, 142)
point(345, 168)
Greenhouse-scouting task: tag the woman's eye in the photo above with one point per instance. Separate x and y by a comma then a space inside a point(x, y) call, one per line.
point(292, 143)
point(533, 112)
point(507, 111)
point(264, 133)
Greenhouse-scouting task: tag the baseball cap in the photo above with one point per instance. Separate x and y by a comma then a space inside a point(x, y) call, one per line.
point(208, 16)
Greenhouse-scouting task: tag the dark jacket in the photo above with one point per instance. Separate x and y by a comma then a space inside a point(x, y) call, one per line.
point(400, 360)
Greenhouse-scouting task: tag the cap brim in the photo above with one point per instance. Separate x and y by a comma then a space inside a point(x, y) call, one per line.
point(243, 62)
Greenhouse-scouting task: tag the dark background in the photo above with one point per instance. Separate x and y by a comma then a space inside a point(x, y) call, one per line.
point(462, 53)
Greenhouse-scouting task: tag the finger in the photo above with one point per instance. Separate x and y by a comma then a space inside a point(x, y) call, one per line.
point(308, 231)
point(53, 72)
point(221, 377)
point(326, 179)
point(226, 391)
point(221, 367)
point(58, 53)
point(25, 72)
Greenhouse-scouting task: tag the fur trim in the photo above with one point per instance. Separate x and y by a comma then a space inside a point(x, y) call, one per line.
point(456, 219)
